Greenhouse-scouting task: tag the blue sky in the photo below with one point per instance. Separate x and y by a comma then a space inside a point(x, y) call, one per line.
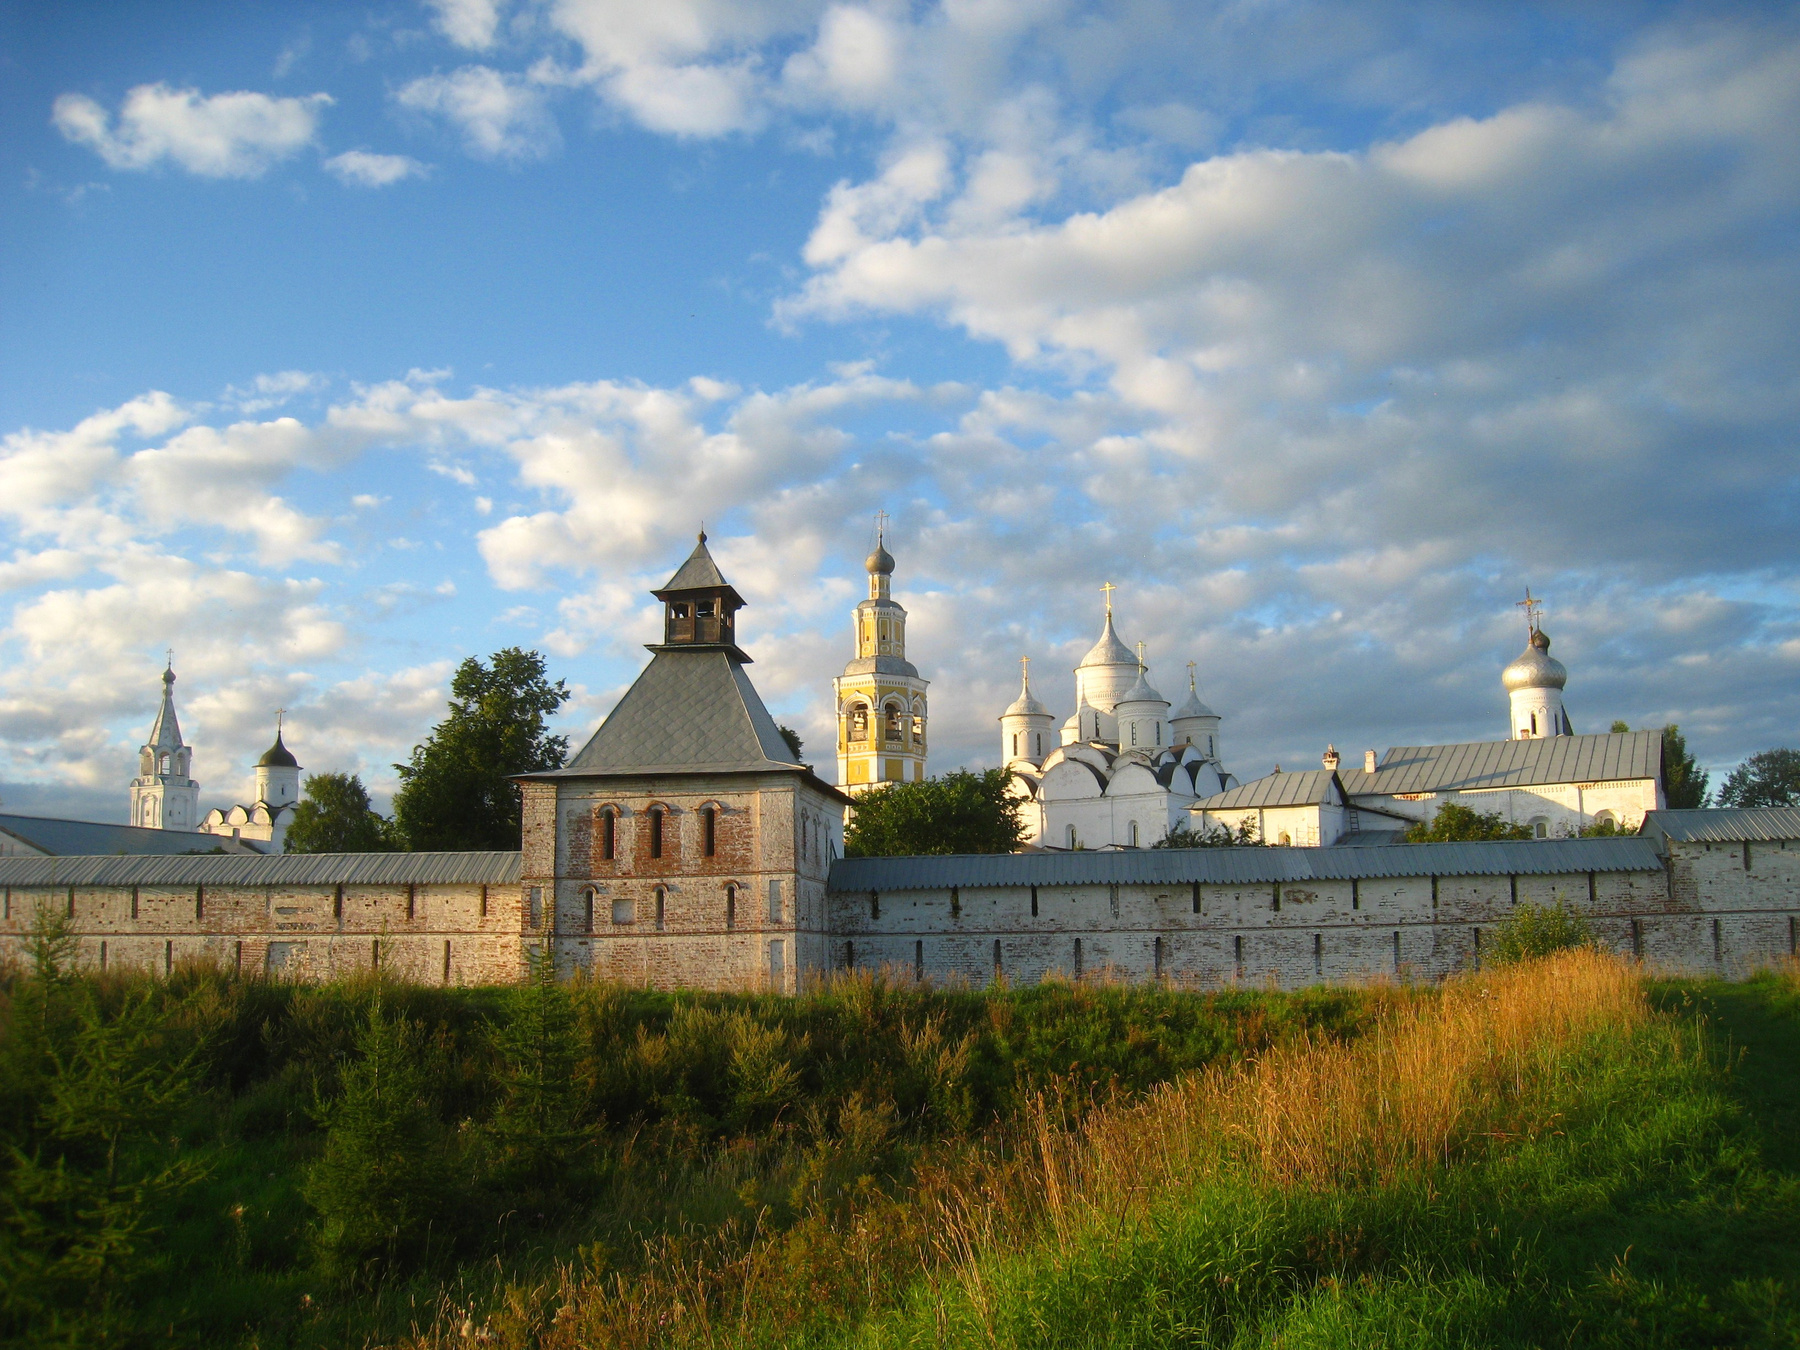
point(338, 343)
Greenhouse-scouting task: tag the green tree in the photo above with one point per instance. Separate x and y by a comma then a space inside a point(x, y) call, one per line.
point(1769, 778)
point(1532, 930)
point(537, 1129)
point(793, 740)
point(457, 791)
point(961, 812)
point(1217, 836)
point(76, 1209)
point(384, 1171)
point(1454, 823)
point(51, 944)
point(1684, 781)
point(333, 816)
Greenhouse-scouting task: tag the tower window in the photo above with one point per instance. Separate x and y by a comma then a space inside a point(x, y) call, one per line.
point(656, 832)
point(891, 724)
point(609, 834)
point(1134, 834)
point(1071, 836)
point(1040, 743)
point(710, 822)
point(661, 902)
point(1015, 745)
point(859, 723)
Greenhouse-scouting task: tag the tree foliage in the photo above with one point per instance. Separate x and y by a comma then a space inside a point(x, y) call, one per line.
point(537, 1128)
point(1533, 930)
point(457, 792)
point(1454, 823)
point(961, 812)
point(333, 816)
point(1216, 836)
point(792, 738)
point(1769, 778)
point(384, 1171)
point(1684, 781)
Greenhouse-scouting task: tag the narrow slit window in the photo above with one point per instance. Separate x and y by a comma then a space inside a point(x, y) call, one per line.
point(609, 835)
point(710, 825)
point(656, 832)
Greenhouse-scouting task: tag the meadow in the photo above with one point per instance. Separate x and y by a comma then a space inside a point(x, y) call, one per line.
point(1560, 1151)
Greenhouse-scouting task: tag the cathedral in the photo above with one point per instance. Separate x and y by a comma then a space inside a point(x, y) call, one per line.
point(1125, 769)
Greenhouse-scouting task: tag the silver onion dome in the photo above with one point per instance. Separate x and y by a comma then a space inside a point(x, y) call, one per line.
point(1535, 668)
point(880, 562)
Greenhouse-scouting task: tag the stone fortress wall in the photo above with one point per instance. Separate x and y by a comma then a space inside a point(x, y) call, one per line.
point(1205, 917)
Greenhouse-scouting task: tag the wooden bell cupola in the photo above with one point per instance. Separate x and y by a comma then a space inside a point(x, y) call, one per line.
point(700, 607)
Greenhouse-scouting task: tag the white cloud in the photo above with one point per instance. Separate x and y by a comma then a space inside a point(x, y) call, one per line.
point(361, 168)
point(500, 116)
point(236, 135)
point(471, 24)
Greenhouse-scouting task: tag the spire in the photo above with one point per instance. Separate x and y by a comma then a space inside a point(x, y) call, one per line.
point(165, 732)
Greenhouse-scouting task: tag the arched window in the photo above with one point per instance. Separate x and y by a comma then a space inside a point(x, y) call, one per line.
point(1286, 838)
point(859, 722)
point(661, 906)
point(1540, 827)
point(609, 833)
point(1015, 745)
point(1040, 743)
point(918, 729)
point(730, 905)
point(709, 825)
point(1209, 746)
point(163, 765)
point(1159, 733)
point(1134, 834)
point(1534, 730)
point(588, 903)
point(891, 724)
point(656, 832)
point(1071, 836)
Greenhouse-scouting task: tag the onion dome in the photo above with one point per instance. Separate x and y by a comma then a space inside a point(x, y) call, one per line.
point(880, 563)
point(1535, 668)
point(278, 756)
point(1141, 692)
point(1026, 705)
point(1191, 706)
point(1109, 651)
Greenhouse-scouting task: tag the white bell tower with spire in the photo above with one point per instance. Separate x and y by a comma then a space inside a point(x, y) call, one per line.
point(164, 795)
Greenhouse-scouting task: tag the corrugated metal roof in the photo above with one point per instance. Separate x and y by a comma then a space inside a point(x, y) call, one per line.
point(1309, 787)
point(688, 712)
point(286, 869)
point(1497, 764)
point(1731, 825)
point(1227, 866)
point(92, 837)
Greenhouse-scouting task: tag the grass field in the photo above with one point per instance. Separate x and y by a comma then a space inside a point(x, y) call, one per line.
point(1559, 1153)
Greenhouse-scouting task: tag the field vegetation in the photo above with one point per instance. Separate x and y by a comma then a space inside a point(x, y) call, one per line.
point(1557, 1151)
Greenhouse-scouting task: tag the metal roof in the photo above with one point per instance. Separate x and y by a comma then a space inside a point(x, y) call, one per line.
point(1725, 825)
point(1227, 866)
point(698, 573)
point(688, 712)
point(1310, 787)
point(1497, 764)
point(92, 837)
point(282, 869)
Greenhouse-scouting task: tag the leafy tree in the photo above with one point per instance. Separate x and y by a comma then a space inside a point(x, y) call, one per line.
point(793, 740)
point(1454, 823)
point(1532, 930)
point(1684, 781)
point(51, 944)
point(77, 1205)
point(1603, 829)
point(457, 792)
point(383, 1174)
point(333, 816)
point(1217, 836)
point(961, 812)
point(537, 1127)
point(1769, 778)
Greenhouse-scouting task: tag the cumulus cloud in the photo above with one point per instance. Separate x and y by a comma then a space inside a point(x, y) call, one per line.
point(363, 168)
point(471, 24)
point(501, 116)
point(236, 135)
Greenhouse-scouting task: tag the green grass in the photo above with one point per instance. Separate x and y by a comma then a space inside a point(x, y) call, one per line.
point(1664, 1211)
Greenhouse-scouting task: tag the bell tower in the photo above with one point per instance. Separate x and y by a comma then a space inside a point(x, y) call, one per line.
point(880, 697)
point(164, 796)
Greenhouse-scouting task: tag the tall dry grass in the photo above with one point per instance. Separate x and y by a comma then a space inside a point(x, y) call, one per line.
point(1438, 1078)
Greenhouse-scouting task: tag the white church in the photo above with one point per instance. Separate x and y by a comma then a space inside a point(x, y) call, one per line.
point(1126, 771)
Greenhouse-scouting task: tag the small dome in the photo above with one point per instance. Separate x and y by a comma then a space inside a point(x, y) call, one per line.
point(1191, 707)
point(1535, 668)
point(1026, 705)
point(1109, 651)
point(880, 562)
point(278, 756)
point(1141, 692)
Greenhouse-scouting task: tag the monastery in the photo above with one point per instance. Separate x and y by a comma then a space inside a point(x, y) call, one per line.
point(685, 845)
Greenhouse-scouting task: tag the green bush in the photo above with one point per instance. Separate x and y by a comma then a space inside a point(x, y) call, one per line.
point(1454, 823)
point(1533, 930)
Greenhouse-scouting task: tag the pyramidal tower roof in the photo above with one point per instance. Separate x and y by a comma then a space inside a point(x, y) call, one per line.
point(698, 573)
point(165, 732)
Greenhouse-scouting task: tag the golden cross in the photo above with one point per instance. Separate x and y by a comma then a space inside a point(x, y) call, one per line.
point(1533, 607)
point(279, 714)
point(880, 526)
point(1190, 675)
point(1025, 668)
point(1109, 588)
point(1140, 657)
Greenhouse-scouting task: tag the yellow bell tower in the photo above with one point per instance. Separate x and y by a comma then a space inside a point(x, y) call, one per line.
point(880, 697)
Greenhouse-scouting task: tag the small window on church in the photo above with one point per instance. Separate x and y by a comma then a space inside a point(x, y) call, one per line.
point(918, 730)
point(609, 835)
point(656, 832)
point(1071, 836)
point(892, 724)
point(679, 610)
point(859, 723)
point(710, 823)
point(1134, 834)
point(1534, 730)
point(1015, 744)
point(703, 609)
point(1040, 743)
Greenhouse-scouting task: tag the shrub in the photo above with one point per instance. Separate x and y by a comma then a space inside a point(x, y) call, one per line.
point(1533, 930)
point(1453, 824)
